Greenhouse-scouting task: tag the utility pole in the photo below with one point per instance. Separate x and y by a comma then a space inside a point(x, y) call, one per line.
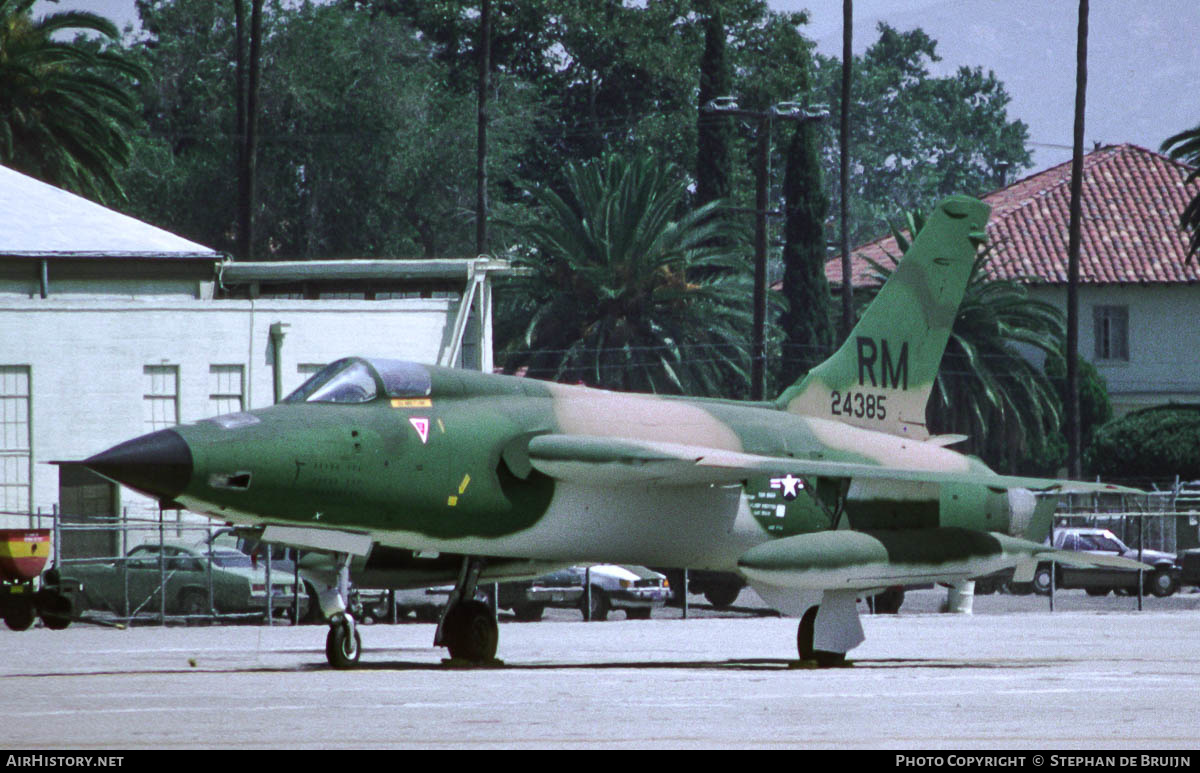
point(1073, 242)
point(844, 171)
point(786, 111)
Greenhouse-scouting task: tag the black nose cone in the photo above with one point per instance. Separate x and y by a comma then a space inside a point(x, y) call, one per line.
point(158, 464)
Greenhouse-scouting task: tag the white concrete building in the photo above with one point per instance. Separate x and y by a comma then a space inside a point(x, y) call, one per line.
point(110, 328)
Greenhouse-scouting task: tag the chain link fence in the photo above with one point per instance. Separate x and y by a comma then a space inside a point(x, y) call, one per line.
point(166, 569)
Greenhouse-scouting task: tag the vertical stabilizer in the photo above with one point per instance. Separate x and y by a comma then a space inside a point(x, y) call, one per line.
point(883, 373)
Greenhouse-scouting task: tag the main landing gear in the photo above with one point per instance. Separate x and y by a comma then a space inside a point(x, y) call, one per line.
point(830, 629)
point(468, 626)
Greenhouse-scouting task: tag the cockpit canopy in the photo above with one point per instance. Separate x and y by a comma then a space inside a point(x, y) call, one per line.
point(361, 380)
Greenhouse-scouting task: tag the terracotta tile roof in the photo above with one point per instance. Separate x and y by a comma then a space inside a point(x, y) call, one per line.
point(1132, 198)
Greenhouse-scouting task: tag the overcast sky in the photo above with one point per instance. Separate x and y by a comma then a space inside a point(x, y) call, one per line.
point(1143, 58)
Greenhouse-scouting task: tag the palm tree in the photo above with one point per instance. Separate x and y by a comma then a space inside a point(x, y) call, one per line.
point(627, 290)
point(1185, 147)
point(986, 388)
point(64, 107)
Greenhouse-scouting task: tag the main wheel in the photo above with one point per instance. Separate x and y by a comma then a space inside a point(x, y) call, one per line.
point(470, 632)
point(1162, 583)
point(804, 642)
point(341, 649)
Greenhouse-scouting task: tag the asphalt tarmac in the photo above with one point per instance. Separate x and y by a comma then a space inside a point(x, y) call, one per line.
point(1010, 676)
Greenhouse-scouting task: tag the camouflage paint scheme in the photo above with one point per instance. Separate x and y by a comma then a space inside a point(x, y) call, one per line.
point(835, 488)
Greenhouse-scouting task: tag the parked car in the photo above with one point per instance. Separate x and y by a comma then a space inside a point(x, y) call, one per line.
point(634, 589)
point(133, 585)
point(1189, 567)
point(1162, 581)
point(720, 589)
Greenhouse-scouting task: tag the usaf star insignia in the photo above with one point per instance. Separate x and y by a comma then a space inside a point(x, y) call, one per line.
point(790, 484)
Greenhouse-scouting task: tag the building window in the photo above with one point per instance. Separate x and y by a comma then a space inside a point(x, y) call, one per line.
point(161, 403)
point(15, 466)
point(226, 391)
point(1112, 332)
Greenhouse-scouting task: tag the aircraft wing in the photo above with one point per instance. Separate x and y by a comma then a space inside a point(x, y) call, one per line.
point(616, 461)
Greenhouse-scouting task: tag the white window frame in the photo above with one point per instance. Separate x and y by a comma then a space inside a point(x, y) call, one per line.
point(226, 389)
point(160, 399)
point(16, 438)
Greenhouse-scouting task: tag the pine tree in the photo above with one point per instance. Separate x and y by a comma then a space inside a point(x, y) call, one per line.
point(807, 326)
point(714, 131)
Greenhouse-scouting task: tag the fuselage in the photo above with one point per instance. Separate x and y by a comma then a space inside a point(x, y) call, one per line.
point(434, 459)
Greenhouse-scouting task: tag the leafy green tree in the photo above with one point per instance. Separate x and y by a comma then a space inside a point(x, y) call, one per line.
point(66, 108)
point(987, 388)
point(1153, 444)
point(609, 297)
point(1095, 410)
point(361, 143)
point(1185, 147)
point(916, 137)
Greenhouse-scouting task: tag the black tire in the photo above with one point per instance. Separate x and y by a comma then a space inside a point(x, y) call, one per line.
point(529, 613)
point(600, 605)
point(19, 613)
point(722, 596)
point(341, 650)
point(470, 632)
point(56, 609)
point(804, 642)
point(1161, 583)
point(641, 613)
point(193, 603)
point(1042, 580)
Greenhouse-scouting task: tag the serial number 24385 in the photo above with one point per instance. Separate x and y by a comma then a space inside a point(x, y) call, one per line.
point(858, 404)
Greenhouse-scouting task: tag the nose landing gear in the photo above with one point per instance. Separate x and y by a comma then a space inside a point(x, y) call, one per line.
point(343, 644)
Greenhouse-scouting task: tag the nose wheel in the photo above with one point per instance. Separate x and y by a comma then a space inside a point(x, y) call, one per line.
point(343, 644)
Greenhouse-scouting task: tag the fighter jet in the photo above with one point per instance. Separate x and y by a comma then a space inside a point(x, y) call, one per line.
point(829, 493)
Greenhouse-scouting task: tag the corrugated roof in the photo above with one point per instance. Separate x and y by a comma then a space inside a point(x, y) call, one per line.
point(1132, 199)
point(40, 220)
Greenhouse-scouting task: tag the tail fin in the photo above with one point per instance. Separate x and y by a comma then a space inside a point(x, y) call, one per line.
point(882, 375)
